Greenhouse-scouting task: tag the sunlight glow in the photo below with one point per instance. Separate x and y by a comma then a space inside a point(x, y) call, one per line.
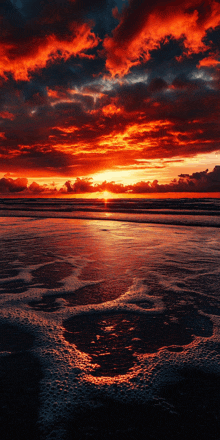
point(105, 195)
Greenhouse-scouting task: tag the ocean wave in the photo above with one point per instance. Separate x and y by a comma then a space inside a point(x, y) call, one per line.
point(188, 212)
point(119, 312)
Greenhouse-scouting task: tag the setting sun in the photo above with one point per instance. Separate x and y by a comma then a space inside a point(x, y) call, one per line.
point(106, 195)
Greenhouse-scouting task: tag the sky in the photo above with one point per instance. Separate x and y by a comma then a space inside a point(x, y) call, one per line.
point(109, 95)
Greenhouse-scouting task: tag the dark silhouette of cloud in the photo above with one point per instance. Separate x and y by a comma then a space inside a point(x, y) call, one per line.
point(200, 182)
point(13, 186)
point(84, 85)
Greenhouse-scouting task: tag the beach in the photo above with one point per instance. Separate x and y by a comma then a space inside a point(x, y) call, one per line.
point(110, 323)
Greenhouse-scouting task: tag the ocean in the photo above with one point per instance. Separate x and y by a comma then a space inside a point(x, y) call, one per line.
point(110, 319)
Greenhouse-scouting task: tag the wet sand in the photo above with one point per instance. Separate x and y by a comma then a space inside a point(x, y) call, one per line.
point(188, 409)
point(104, 339)
point(20, 375)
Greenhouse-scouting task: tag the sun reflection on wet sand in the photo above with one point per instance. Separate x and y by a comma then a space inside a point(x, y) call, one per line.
point(119, 311)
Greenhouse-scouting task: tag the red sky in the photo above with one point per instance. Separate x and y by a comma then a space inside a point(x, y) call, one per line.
point(122, 92)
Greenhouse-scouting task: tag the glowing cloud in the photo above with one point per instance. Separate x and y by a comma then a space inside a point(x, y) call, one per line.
point(86, 89)
point(40, 52)
point(144, 26)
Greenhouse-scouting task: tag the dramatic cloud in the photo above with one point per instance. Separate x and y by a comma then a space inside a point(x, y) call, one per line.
point(197, 182)
point(79, 186)
point(203, 181)
point(58, 31)
point(87, 88)
point(145, 24)
point(13, 186)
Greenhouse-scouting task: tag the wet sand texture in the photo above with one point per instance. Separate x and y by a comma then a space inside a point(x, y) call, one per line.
point(20, 374)
point(187, 409)
point(161, 332)
point(113, 340)
point(49, 276)
point(91, 294)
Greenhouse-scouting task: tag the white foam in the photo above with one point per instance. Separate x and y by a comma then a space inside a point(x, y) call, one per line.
point(67, 381)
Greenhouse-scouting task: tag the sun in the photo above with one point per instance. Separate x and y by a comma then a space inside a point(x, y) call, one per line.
point(106, 195)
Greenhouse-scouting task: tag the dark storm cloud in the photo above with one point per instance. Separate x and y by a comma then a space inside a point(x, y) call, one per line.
point(43, 33)
point(60, 128)
point(62, 111)
point(143, 25)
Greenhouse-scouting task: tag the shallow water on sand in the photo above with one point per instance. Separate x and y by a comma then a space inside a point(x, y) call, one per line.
point(115, 316)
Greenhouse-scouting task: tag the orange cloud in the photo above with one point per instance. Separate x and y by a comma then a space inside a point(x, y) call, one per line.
point(210, 61)
point(53, 93)
point(69, 129)
point(38, 53)
point(110, 109)
point(142, 28)
point(138, 136)
point(7, 115)
point(202, 181)
point(137, 121)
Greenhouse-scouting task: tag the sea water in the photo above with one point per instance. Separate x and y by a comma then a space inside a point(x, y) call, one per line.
point(121, 306)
